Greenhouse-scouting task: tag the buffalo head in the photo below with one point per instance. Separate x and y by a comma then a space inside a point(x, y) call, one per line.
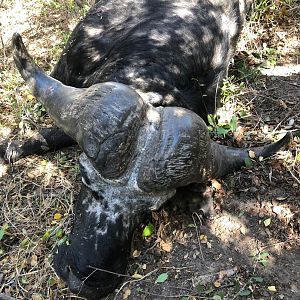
point(134, 157)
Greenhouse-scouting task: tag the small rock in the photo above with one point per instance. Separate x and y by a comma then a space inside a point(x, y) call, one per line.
point(277, 210)
point(291, 122)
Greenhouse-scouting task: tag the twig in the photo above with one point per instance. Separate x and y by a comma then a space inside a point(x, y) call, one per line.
point(272, 245)
point(198, 233)
point(144, 277)
point(109, 272)
point(160, 296)
point(294, 176)
point(3, 48)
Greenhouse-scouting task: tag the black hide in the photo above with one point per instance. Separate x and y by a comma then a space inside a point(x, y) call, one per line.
point(178, 51)
point(123, 58)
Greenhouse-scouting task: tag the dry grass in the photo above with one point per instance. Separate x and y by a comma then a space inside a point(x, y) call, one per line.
point(35, 189)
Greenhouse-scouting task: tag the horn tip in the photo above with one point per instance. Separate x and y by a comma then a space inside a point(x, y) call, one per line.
point(17, 41)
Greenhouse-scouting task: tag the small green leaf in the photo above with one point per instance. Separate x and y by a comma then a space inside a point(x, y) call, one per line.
point(297, 53)
point(298, 157)
point(264, 262)
point(242, 114)
point(59, 234)
point(258, 279)
point(148, 230)
point(222, 131)
point(184, 298)
point(62, 240)
point(264, 254)
point(212, 120)
point(46, 235)
point(51, 281)
point(2, 232)
point(217, 297)
point(5, 226)
point(242, 213)
point(267, 222)
point(245, 293)
point(24, 243)
point(233, 123)
point(162, 278)
point(200, 288)
point(248, 162)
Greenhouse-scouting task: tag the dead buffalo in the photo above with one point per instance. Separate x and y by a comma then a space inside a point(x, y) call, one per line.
point(133, 88)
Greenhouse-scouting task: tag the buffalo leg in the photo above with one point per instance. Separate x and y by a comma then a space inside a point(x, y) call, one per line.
point(47, 139)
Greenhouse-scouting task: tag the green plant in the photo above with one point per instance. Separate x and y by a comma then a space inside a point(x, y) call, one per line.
point(262, 258)
point(270, 56)
point(221, 129)
point(148, 230)
point(56, 234)
point(70, 6)
point(230, 88)
point(3, 230)
point(162, 278)
point(245, 72)
point(270, 10)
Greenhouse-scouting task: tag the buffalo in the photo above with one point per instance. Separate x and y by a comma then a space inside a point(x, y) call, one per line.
point(133, 88)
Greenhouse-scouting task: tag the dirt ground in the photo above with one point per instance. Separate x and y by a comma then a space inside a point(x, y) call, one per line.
point(250, 250)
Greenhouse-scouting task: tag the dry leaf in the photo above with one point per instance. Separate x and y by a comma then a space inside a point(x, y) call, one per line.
point(136, 253)
point(239, 134)
point(33, 260)
point(166, 246)
point(126, 293)
point(277, 210)
point(137, 276)
point(203, 238)
point(3, 169)
point(216, 185)
point(243, 230)
point(31, 174)
point(267, 222)
point(37, 297)
point(272, 288)
point(252, 154)
point(155, 216)
point(217, 284)
point(256, 181)
point(57, 216)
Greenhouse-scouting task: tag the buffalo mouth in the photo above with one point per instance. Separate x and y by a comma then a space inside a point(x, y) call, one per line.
point(88, 286)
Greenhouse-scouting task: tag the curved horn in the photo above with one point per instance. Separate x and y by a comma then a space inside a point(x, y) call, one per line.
point(229, 159)
point(55, 96)
point(184, 152)
point(92, 116)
